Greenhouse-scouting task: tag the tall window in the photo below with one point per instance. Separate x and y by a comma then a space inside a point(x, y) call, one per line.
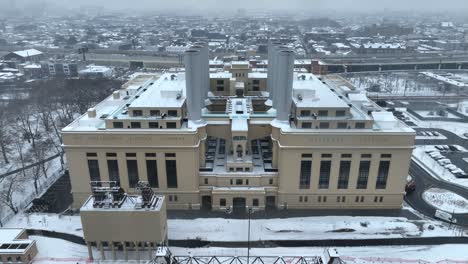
point(171, 173)
point(113, 167)
point(152, 173)
point(382, 175)
point(363, 175)
point(343, 176)
point(324, 179)
point(132, 170)
point(93, 167)
point(306, 171)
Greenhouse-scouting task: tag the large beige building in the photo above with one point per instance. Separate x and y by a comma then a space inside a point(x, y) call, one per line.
point(239, 138)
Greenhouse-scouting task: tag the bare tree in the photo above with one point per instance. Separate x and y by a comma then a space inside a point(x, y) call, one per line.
point(9, 186)
point(28, 123)
point(5, 137)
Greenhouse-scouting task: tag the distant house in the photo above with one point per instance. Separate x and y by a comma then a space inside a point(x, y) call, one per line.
point(96, 72)
point(32, 55)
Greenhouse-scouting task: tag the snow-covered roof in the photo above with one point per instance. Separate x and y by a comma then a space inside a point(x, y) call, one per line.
point(310, 92)
point(129, 203)
point(9, 238)
point(28, 53)
point(167, 91)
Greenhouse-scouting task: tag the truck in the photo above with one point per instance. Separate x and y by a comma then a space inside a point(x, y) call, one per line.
point(442, 215)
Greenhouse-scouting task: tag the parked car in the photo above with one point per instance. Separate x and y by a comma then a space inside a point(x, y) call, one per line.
point(410, 186)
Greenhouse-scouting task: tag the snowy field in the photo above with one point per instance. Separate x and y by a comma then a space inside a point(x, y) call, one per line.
point(435, 169)
point(432, 114)
point(299, 228)
point(71, 253)
point(446, 201)
point(457, 128)
point(382, 84)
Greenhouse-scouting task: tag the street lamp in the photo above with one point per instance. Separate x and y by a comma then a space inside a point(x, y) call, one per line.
point(248, 237)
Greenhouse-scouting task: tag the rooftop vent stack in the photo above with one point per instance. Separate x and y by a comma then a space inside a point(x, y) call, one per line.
point(92, 112)
point(116, 95)
point(284, 83)
point(272, 68)
point(194, 83)
point(206, 66)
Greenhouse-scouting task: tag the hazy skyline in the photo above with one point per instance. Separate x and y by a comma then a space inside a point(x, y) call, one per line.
point(254, 5)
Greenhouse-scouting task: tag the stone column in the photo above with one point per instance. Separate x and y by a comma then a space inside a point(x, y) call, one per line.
point(101, 247)
point(125, 251)
point(137, 251)
point(90, 250)
point(114, 257)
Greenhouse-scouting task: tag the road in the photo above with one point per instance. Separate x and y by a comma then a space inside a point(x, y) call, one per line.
point(425, 181)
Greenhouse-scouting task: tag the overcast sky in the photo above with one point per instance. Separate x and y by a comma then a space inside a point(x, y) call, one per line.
point(339, 5)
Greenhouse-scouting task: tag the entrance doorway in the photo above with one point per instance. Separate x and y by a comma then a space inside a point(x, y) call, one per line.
point(238, 205)
point(206, 203)
point(270, 202)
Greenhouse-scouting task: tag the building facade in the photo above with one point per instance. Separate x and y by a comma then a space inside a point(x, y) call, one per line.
point(236, 138)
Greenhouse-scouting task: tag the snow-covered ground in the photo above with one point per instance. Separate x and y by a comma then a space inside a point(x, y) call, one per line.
point(458, 128)
point(300, 228)
point(384, 84)
point(25, 192)
point(435, 169)
point(432, 114)
point(440, 137)
point(69, 253)
point(446, 200)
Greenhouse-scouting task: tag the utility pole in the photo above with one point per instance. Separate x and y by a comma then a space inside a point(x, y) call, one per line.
point(83, 51)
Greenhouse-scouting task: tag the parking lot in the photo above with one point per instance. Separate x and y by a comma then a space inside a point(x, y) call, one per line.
point(451, 158)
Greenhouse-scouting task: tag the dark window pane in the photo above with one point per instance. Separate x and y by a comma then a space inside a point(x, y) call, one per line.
point(172, 113)
point(324, 125)
point(113, 168)
point(324, 178)
point(132, 169)
point(360, 125)
point(306, 171)
point(137, 113)
point(343, 176)
point(91, 154)
point(382, 175)
point(342, 125)
point(340, 113)
point(323, 113)
point(153, 125)
point(363, 175)
point(152, 173)
point(255, 202)
point(118, 124)
point(93, 167)
point(222, 202)
point(135, 125)
point(171, 173)
point(306, 125)
point(171, 125)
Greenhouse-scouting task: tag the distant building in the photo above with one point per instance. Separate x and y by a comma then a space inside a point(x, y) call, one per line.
point(96, 72)
point(60, 69)
point(15, 247)
point(31, 70)
point(25, 55)
point(380, 48)
point(178, 49)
